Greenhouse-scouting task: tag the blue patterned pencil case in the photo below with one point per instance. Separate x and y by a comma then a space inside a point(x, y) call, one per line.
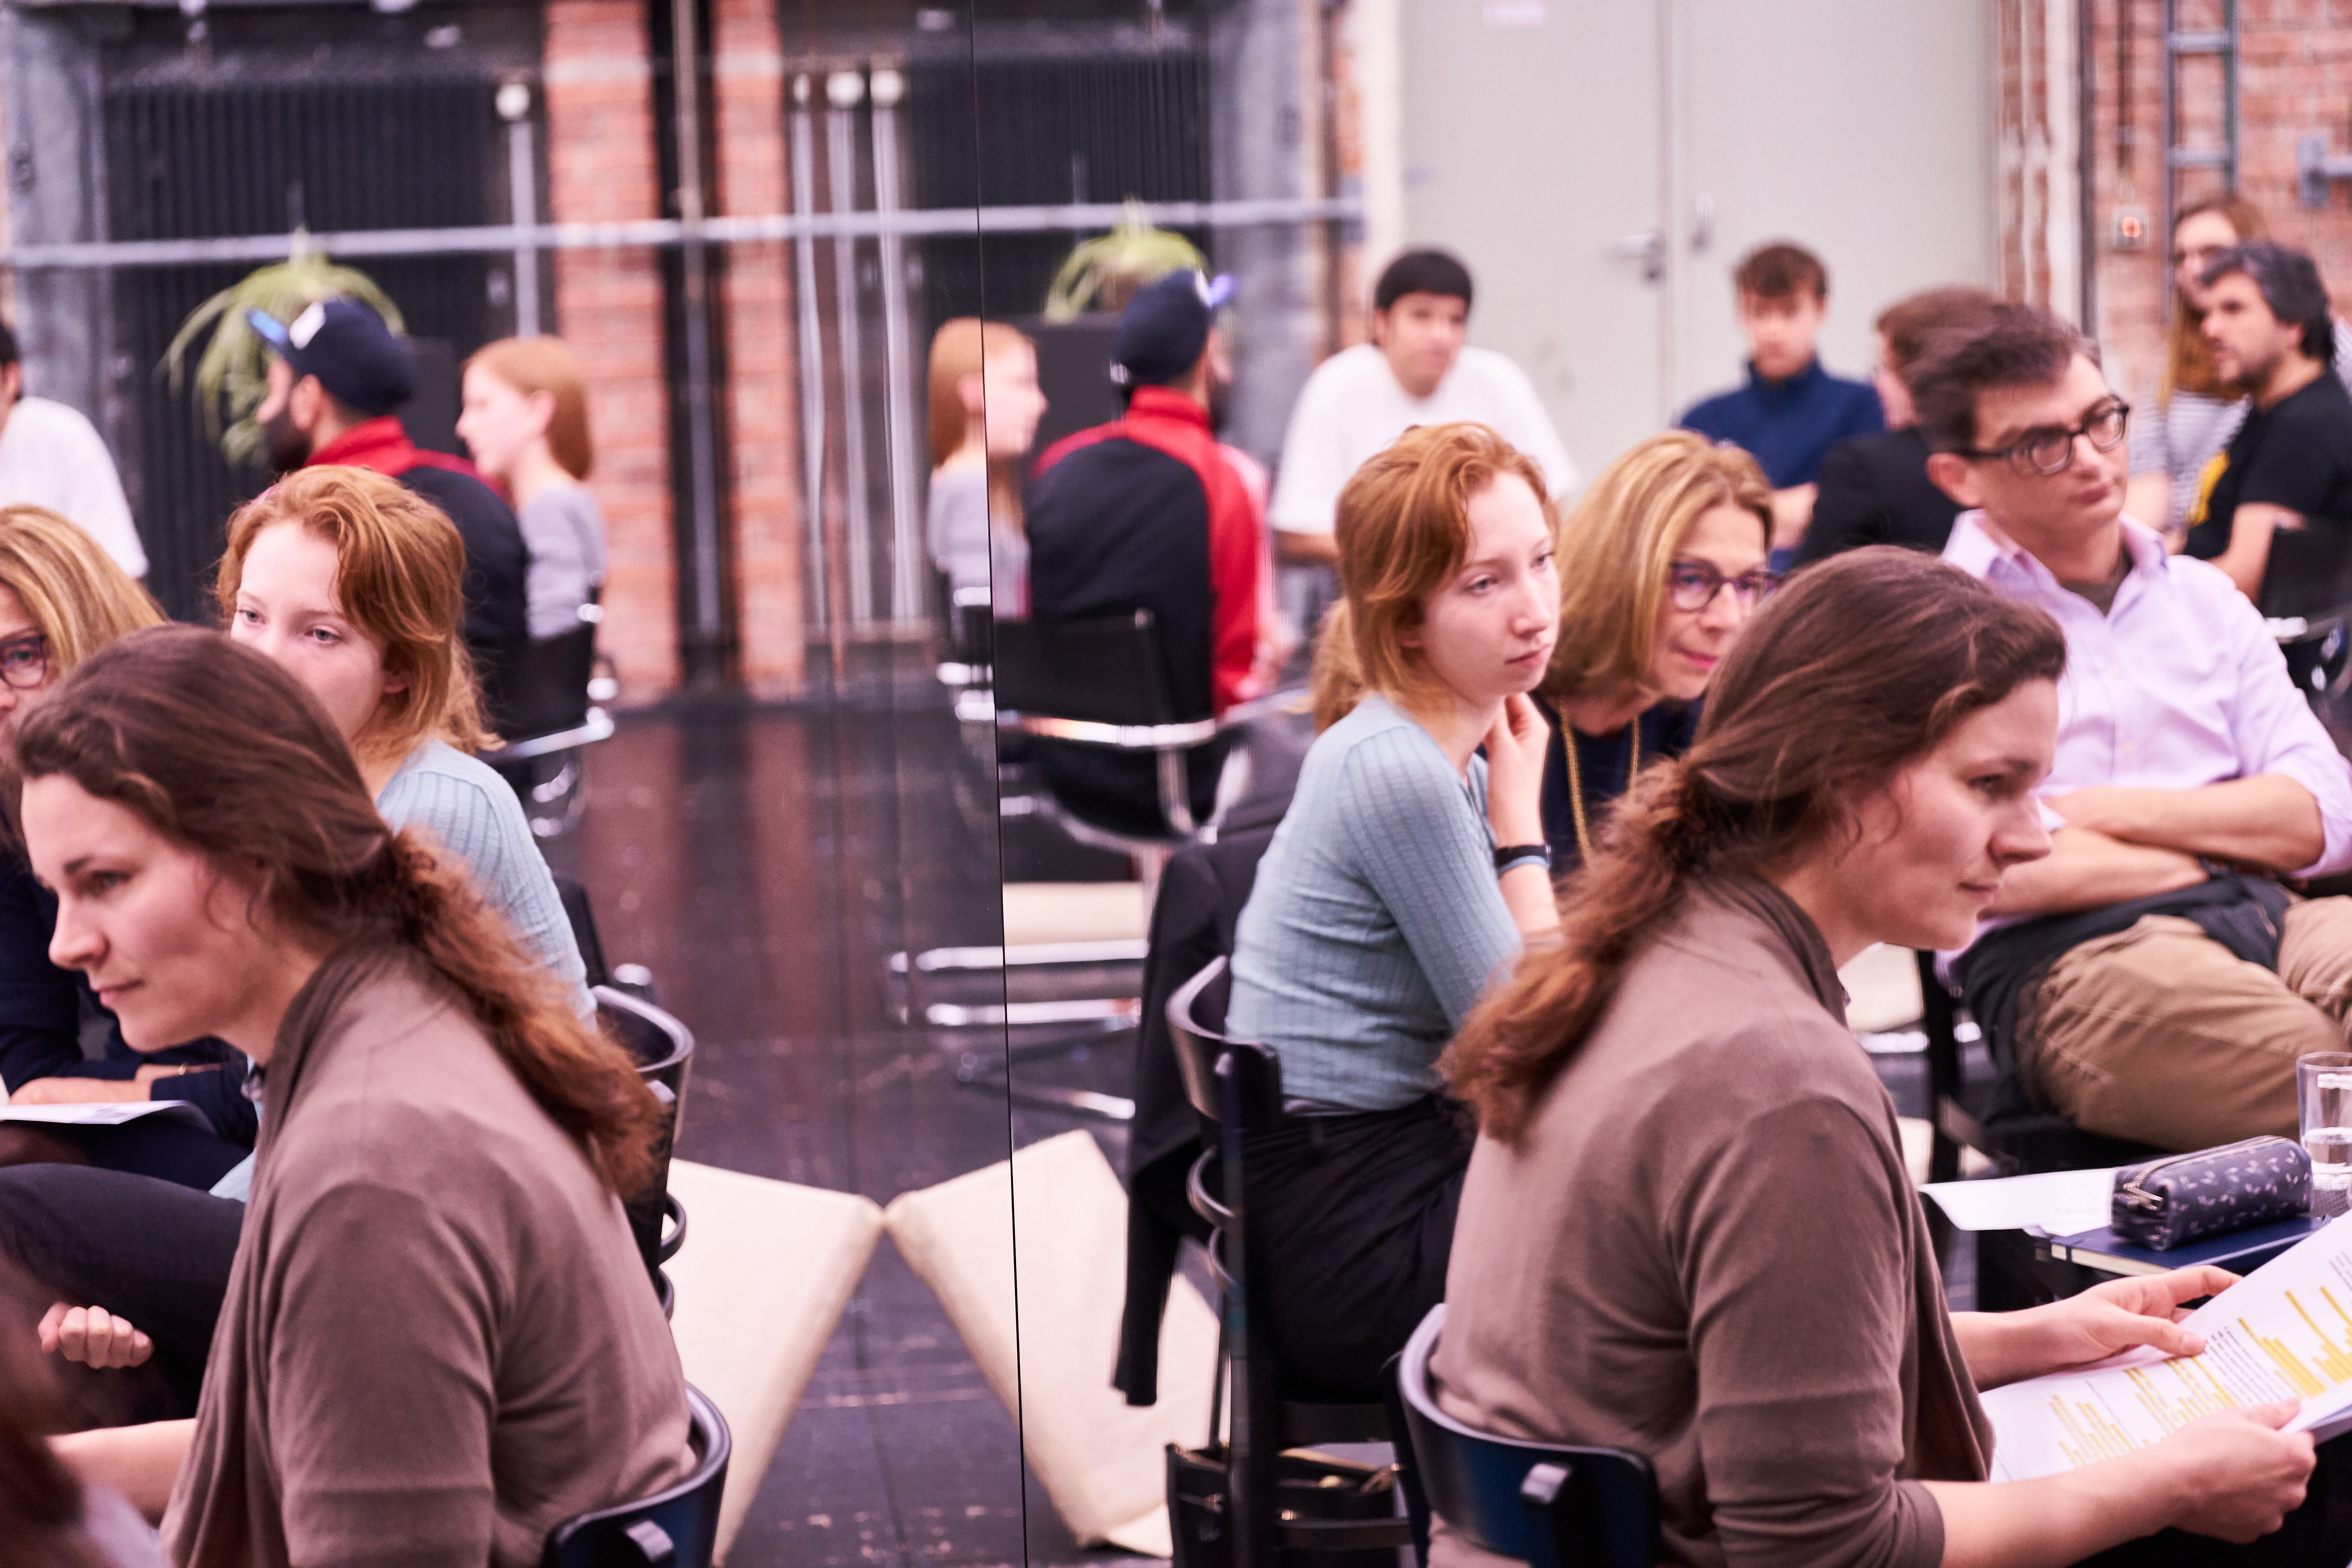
point(2187, 1197)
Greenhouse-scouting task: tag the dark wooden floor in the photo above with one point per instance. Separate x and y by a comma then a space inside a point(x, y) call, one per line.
point(763, 862)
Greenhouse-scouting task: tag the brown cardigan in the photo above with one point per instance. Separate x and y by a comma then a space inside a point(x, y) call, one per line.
point(1708, 1249)
point(440, 1339)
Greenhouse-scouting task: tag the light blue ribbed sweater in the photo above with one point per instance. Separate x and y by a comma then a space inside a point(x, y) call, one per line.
point(475, 814)
point(1376, 921)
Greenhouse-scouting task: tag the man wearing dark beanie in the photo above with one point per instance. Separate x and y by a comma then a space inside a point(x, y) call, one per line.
point(1145, 514)
point(336, 375)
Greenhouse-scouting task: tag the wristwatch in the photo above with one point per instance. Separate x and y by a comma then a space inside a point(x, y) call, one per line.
point(1510, 855)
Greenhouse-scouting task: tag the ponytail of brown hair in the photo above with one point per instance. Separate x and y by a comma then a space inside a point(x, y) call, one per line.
point(220, 751)
point(1861, 666)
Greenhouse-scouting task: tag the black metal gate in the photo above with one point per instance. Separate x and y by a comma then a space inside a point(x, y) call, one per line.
point(1060, 126)
point(252, 152)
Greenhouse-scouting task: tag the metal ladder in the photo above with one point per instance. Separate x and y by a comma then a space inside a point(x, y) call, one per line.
point(2221, 42)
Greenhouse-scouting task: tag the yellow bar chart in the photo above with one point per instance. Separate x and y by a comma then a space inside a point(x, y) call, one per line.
point(2283, 1333)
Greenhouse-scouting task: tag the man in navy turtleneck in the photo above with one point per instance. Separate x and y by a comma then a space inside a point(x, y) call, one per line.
point(1791, 411)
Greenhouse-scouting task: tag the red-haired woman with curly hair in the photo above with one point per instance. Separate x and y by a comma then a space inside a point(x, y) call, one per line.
point(1405, 878)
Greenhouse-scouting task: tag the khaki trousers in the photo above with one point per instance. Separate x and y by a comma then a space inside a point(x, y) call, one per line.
point(2158, 1035)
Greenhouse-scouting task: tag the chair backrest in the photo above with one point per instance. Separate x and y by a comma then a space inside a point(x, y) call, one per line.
point(1103, 671)
point(1198, 1043)
point(543, 690)
point(974, 622)
point(581, 915)
point(664, 1050)
point(2310, 571)
point(2316, 656)
point(1553, 1506)
point(675, 1528)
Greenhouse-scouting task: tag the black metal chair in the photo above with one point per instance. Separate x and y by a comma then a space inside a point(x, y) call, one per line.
point(2019, 1144)
point(581, 915)
point(963, 630)
point(539, 704)
point(2306, 598)
point(1099, 687)
point(664, 1050)
point(1096, 688)
point(2316, 654)
point(1549, 1505)
point(1237, 1087)
point(675, 1527)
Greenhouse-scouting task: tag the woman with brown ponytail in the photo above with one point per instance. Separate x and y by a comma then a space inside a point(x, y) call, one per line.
point(1687, 1227)
point(438, 1330)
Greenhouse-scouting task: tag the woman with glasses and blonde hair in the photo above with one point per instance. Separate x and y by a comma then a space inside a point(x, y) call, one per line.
point(62, 598)
point(1660, 564)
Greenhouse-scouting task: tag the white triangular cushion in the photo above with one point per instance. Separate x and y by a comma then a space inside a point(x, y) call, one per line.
point(1099, 1458)
point(762, 1281)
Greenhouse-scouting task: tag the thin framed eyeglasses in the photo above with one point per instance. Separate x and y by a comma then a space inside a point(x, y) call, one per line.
point(2051, 450)
point(25, 661)
point(1693, 586)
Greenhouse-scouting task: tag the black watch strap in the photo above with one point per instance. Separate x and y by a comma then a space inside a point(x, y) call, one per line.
point(1509, 855)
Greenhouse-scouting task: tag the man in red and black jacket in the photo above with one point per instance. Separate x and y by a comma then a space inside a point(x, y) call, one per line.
point(1148, 513)
point(336, 375)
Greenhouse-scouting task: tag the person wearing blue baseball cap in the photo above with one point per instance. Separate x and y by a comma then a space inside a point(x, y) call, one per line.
point(1148, 513)
point(337, 373)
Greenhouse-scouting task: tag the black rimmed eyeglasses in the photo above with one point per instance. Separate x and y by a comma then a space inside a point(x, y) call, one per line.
point(1693, 586)
point(24, 661)
point(2051, 450)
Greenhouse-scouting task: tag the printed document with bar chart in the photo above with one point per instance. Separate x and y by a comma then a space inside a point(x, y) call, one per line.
point(2284, 1331)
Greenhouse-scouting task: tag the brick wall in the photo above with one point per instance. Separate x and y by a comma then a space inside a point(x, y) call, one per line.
point(2294, 80)
point(608, 305)
point(757, 303)
point(2027, 126)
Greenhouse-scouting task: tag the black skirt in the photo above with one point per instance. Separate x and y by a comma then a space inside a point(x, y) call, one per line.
point(1357, 1212)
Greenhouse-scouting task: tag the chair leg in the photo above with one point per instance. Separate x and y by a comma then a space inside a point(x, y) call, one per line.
point(1939, 1017)
point(976, 1072)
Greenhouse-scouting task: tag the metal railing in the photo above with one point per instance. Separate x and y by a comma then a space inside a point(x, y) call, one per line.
point(850, 555)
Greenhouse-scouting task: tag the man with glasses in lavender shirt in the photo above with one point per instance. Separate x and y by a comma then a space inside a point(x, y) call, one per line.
point(2151, 979)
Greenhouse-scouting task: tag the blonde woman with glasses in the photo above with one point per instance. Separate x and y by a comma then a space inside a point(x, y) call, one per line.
point(1660, 566)
point(62, 598)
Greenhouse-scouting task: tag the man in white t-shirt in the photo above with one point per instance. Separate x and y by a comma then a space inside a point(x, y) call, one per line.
point(51, 455)
point(1415, 371)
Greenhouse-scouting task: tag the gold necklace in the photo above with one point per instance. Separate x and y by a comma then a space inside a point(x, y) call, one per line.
point(1576, 778)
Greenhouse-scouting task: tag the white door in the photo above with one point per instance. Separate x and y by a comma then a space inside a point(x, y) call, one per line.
point(1533, 151)
point(1548, 140)
point(1861, 129)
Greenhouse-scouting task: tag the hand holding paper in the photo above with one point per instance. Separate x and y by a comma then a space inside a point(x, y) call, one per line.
point(2284, 1332)
point(2108, 1319)
point(2237, 1474)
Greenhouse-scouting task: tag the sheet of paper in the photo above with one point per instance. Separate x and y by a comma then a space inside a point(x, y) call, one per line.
point(2284, 1332)
point(2061, 1203)
point(105, 1113)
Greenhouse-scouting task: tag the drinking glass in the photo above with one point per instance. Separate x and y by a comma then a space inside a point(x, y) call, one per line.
point(2324, 1092)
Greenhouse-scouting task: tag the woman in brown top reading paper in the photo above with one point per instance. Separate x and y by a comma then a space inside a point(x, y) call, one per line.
point(439, 1340)
point(1688, 1228)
